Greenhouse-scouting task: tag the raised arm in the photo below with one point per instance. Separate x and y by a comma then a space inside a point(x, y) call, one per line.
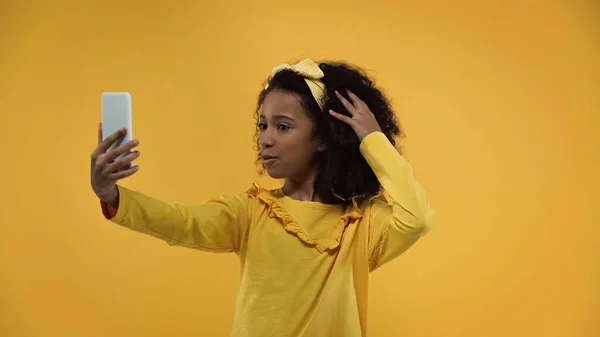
point(397, 225)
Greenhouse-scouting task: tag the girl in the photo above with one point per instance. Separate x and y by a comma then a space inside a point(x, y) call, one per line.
point(349, 204)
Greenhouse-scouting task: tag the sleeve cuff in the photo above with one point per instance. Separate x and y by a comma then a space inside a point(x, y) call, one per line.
point(373, 139)
point(108, 211)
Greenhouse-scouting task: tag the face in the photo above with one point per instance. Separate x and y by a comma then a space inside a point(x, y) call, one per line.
point(286, 142)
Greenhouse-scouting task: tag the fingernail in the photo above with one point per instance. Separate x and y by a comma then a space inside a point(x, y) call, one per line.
point(135, 142)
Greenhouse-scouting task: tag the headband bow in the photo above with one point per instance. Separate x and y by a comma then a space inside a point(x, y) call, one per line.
point(312, 76)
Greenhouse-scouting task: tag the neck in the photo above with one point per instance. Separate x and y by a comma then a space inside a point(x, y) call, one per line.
point(302, 187)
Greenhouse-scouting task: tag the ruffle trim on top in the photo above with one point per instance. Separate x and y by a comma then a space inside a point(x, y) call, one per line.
point(276, 210)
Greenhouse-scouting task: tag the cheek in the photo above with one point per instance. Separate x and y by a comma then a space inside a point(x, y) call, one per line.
point(295, 142)
point(259, 137)
point(301, 150)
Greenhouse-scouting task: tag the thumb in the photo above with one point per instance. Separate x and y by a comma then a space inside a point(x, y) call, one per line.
point(99, 133)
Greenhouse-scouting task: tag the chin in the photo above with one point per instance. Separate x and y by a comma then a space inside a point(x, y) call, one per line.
point(275, 174)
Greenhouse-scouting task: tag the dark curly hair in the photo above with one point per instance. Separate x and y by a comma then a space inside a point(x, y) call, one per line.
point(343, 171)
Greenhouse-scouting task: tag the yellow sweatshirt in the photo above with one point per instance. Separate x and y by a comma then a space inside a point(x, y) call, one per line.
point(304, 266)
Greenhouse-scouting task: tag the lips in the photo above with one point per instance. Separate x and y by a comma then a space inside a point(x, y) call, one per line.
point(268, 160)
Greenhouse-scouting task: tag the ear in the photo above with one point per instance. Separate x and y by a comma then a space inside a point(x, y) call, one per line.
point(321, 146)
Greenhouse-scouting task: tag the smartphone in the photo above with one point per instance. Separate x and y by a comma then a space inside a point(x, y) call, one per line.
point(116, 114)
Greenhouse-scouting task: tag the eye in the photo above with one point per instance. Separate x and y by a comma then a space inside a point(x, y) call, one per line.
point(262, 126)
point(283, 127)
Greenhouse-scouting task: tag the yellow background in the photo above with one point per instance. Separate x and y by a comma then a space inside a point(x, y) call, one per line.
point(499, 100)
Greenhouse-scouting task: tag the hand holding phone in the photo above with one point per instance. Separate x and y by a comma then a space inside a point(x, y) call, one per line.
point(109, 167)
point(112, 159)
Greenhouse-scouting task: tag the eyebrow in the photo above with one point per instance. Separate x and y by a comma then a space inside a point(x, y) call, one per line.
point(279, 117)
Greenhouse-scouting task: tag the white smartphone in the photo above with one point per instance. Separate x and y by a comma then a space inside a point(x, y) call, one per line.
point(116, 114)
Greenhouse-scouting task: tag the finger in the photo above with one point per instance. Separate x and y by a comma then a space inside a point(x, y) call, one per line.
point(114, 164)
point(341, 117)
point(120, 163)
point(121, 150)
point(124, 174)
point(105, 144)
point(357, 102)
point(351, 109)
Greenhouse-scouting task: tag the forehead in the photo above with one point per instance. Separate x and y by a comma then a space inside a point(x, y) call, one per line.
point(282, 102)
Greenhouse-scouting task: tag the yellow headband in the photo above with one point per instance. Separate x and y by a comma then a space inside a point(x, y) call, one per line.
point(312, 75)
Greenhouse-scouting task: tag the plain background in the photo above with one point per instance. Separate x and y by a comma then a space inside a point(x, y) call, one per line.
point(499, 100)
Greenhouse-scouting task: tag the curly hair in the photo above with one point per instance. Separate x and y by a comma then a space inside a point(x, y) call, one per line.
point(343, 172)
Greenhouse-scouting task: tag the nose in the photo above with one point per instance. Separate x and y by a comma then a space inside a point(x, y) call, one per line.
point(266, 139)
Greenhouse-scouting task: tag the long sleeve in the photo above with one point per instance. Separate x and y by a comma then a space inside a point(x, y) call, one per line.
point(396, 225)
point(217, 225)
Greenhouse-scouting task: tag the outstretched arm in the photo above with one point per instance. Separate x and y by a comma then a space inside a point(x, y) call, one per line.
point(217, 225)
